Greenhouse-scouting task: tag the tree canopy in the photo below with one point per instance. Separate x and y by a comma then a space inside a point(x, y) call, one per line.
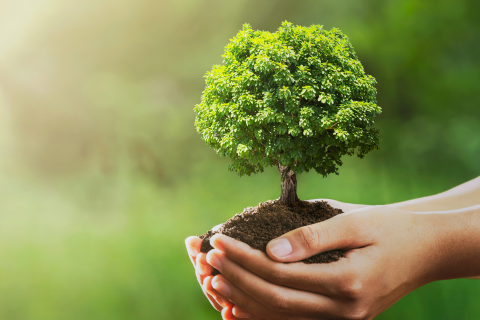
point(298, 97)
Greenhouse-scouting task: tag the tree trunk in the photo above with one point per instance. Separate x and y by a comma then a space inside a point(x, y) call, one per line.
point(289, 185)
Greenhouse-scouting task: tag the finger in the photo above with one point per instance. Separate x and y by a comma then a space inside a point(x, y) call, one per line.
point(346, 207)
point(212, 300)
point(228, 314)
point(320, 278)
point(207, 287)
point(224, 302)
point(201, 280)
point(340, 232)
point(247, 303)
point(240, 313)
point(273, 297)
point(203, 267)
point(193, 245)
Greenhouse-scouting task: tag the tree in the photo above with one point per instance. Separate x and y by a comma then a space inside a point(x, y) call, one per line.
point(298, 99)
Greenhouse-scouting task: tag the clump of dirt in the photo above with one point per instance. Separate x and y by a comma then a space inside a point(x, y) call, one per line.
point(257, 226)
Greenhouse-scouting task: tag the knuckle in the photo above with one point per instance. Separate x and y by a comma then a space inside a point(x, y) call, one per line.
point(278, 303)
point(309, 236)
point(234, 278)
point(246, 256)
point(245, 304)
point(277, 275)
point(353, 288)
point(358, 313)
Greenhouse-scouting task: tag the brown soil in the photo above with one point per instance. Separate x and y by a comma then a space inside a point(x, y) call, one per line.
point(258, 225)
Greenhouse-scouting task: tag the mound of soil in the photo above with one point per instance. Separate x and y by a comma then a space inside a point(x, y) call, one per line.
point(256, 226)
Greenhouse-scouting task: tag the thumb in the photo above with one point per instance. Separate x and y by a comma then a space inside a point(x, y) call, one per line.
point(340, 232)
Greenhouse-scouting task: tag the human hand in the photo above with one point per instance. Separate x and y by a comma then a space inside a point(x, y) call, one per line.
point(204, 271)
point(389, 253)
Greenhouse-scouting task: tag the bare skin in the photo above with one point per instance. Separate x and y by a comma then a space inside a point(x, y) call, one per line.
point(391, 251)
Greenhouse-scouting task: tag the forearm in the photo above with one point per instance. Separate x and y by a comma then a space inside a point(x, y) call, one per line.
point(457, 238)
point(463, 196)
point(466, 195)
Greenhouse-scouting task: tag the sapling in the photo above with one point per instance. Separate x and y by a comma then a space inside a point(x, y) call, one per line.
point(297, 99)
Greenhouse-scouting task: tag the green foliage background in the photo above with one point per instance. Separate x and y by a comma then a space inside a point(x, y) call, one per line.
point(102, 174)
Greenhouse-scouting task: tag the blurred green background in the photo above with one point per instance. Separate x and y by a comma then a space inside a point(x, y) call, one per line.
point(102, 175)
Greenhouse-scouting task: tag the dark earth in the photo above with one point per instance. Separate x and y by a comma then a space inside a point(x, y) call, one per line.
point(256, 226)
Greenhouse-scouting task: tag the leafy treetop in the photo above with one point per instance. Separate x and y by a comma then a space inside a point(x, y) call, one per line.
point(298, 98)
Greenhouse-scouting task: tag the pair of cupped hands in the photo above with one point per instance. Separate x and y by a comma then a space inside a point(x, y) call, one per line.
point(389, 252)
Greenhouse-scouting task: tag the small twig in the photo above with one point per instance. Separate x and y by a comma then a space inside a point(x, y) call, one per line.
point(333, 125)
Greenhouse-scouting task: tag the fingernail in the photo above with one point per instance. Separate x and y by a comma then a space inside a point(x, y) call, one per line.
point(241, 314)
point(222, 288)
point(192, 251)
point(205, 283)
point(215, 262)
point(202, 269)
point(280, 247)
point(215, 243)
point(223, 301)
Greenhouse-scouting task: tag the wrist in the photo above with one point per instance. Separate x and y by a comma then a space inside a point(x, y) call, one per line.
point(455, 244)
